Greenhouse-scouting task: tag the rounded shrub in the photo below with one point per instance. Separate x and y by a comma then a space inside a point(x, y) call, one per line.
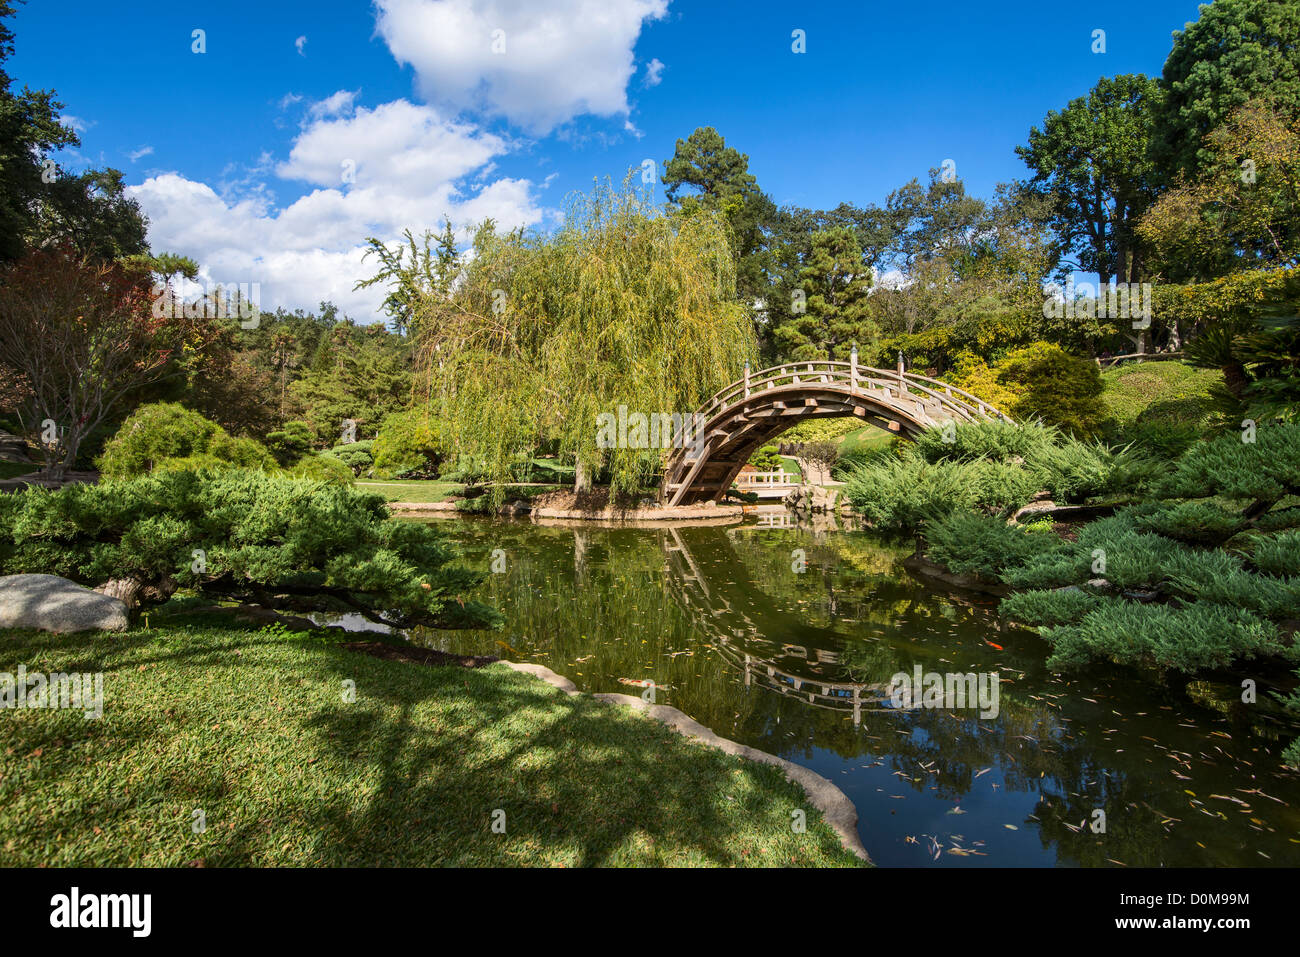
point(168, 436)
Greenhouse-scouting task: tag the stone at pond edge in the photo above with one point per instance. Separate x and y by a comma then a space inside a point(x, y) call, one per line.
point(51, 603)
point(811, 497)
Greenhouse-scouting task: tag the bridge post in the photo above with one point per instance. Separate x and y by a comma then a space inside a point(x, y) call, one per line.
point(853, 368)
point(747, 378)
point(902, 383)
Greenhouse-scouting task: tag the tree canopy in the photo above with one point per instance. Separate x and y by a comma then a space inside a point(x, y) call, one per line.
point(624, 305)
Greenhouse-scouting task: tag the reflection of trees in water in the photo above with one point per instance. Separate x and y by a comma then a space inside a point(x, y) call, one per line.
point(616, 603)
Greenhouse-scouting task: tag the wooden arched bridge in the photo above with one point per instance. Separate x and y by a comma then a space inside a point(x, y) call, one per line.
point(753, 410)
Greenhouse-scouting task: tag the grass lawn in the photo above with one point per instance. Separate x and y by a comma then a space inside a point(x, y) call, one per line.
point(251, 728)
point(412, 491)
point(9, 470)
point(1161, 390)
point(867, 437)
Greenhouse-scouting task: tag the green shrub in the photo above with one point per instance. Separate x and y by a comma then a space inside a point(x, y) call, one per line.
point(408, 442)
point(322, 467)
point(1073, 470)
point(355, 455)
point(1198, 523)
point(265, 539)
point(1215, 576)
point(168, 436)
point(1056, 387)
point(1162, 440)
point(1057, 606)
point(902, 494)
point(971, 543)
point(163, 430)
point(1186, 639)
point(1267, 469)
point(1050, 570)
point(1001, 487)
point(767, 459)
point(857, 457)
point(1278, 555)
point(290, 442)
point(1123, 555)
point(997, 441)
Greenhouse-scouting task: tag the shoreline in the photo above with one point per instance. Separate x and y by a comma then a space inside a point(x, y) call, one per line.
point(683, 514)
point(836, 809)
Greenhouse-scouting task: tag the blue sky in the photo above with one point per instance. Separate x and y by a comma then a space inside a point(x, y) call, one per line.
point(270, 160)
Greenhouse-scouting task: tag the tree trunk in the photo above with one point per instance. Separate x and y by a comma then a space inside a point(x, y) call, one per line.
point(125, 590)
point(581, 477)
point(131, 590)
point(1236, 379)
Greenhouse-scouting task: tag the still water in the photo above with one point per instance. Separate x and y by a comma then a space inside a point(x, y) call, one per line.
point(798, 663)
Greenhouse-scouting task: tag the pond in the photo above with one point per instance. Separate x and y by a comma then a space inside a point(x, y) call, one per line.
point(786, 639)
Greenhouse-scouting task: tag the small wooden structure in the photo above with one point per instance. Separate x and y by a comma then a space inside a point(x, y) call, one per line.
point(750, 412)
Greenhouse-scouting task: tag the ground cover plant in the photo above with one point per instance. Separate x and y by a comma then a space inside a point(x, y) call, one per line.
point(252, 729)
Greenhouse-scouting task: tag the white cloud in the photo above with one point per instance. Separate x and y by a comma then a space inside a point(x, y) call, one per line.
point(654, 72)
point(300, 43)
point(538, 63)
point(398, 145)
point(336, 104)
point(141, 153)
point(409, 165)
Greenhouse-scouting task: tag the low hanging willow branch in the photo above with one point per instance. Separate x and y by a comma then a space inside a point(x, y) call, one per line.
point(622, 305)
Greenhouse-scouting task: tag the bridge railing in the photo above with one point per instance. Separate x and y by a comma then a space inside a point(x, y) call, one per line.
point(859, 379)
point(767, 478)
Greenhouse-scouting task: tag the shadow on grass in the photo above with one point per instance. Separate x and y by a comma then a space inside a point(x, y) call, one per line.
point(252, 728)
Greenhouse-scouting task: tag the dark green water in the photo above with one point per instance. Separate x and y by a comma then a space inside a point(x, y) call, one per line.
point(732, 635)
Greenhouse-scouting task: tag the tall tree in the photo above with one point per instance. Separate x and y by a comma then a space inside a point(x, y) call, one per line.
point(1093, 160)
point(833, 313)
point(720, 178)
point(42, 204)
point(936, 222)
point(624, 305)
point(1238, 50)
point(413, 271)
point(1242, 211)
point(81, 336)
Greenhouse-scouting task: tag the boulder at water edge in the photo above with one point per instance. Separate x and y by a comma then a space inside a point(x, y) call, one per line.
point(55, 604)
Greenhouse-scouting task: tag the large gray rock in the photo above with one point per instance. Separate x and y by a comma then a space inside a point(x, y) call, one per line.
point(55, 604)
point(811, 497)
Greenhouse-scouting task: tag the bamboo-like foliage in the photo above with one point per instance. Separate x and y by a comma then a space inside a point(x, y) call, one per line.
point(622, 305)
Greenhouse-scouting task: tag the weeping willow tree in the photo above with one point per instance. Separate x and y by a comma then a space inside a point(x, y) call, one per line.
point(623, 305)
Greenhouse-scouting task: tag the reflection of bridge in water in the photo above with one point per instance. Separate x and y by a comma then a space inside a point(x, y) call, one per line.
point(741, 643)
